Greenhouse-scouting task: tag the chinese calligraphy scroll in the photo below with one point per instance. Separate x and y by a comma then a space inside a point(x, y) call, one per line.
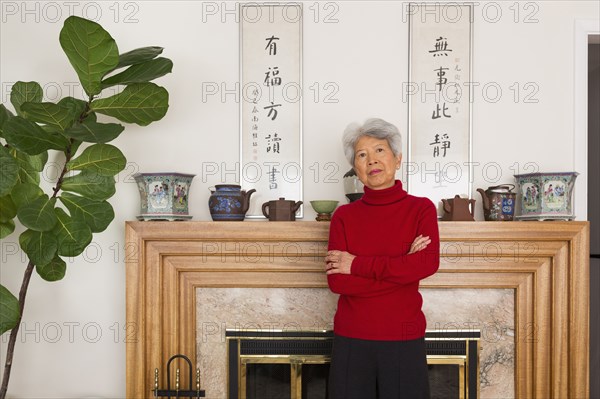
point(439, 96)
point(271, 106)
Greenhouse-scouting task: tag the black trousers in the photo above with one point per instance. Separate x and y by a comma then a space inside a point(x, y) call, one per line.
point(364, 369)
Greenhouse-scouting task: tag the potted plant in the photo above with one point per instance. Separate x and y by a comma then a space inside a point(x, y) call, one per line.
point(60, 224)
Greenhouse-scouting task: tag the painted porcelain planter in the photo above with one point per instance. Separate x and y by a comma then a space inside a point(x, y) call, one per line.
point(164, 196)
point(545, 196)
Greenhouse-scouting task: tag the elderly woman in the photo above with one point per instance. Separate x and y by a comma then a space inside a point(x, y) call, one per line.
point(380, 247)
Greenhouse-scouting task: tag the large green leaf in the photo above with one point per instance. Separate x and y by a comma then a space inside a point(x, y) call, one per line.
point(139, 103)
point(6, 228)
point(94, 132)
point(25, 92)
point(75, 106)
point(103, 159)
point(90, 185)
point(25, 193)
point(30, 166)
point(54, 115)
point(9, 310)
point(139, 73)
point(97, 214)
point(53, 271)
point(40, 246)
point(8, 209)
point(39, 214)
point(4, 116)
point(90, 49)
point(138, 56)
point(9, 171)
point(72, 233)
point(30, 138)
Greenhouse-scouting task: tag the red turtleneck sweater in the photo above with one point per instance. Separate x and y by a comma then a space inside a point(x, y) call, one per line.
point(380, 299)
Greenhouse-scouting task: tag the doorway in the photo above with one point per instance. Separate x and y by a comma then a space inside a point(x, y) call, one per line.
point(593, 124)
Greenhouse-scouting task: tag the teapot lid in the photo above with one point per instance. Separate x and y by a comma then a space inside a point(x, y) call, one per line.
point(503, 188)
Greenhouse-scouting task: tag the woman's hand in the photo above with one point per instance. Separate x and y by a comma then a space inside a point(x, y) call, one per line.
point(419, 244)
point(338, 262)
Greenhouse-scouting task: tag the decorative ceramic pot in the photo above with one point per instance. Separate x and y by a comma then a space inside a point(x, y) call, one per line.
point(324, 209)
point(498, 202)
point(164, 196)
point(545, 196)
point(228, 202)
point(459, 209)
point(353, 187)
point(281, 210)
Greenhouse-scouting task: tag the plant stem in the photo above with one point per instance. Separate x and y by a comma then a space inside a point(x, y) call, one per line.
point(15, 331)
point(68, 156)
point(23, 293)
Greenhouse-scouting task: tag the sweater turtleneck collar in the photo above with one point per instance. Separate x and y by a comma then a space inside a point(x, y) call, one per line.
point(384, 196)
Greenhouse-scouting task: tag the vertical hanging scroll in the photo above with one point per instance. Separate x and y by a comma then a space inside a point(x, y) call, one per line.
point(439, 96)
point(271, 106)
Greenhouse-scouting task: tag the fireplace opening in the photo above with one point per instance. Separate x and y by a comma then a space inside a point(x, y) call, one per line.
point(295, 364)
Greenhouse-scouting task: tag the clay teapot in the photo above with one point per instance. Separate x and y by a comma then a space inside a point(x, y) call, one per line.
point(281, 209)
point(498, 202)
point(229, 202)
point(459, 209)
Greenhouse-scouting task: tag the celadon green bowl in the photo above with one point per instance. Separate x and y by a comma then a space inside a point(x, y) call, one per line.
point(324, 206)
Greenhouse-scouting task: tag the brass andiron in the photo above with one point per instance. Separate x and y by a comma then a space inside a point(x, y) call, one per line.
point(178, 393)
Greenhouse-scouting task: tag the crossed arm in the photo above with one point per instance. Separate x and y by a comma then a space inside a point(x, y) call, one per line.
point(373, 275)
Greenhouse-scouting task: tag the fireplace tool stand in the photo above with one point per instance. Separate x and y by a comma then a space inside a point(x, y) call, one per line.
point(178, 393)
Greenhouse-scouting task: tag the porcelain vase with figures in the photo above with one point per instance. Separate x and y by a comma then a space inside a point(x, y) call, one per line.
point(164, 196)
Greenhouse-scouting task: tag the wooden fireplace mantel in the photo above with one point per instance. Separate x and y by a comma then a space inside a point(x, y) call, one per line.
point(545, 263)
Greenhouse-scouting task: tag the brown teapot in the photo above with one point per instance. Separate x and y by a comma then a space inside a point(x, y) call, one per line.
point(498, 202)
point(459, 209)
point(281, 210)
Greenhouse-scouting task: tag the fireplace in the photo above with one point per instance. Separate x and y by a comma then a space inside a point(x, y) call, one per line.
point(543, 265)
point(295, 364)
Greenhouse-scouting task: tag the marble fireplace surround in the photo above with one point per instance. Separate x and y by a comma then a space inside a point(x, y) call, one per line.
point(545, 263)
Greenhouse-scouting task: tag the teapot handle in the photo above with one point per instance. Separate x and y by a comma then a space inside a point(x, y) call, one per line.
point(265, 207)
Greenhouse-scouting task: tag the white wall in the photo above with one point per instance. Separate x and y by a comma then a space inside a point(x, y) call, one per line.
point(364, 54)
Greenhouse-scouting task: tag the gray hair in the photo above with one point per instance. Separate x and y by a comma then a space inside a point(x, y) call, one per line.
point(374, 127)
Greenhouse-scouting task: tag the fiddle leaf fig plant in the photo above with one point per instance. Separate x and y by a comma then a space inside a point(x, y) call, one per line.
point(60, 223)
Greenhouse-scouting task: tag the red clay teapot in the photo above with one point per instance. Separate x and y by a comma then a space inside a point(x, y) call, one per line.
point(281, 209)
point(459, 209)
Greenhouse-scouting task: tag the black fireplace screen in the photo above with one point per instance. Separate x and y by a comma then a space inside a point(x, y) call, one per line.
point(295, 364)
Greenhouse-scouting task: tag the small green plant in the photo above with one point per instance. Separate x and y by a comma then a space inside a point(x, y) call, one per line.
point(61, 223)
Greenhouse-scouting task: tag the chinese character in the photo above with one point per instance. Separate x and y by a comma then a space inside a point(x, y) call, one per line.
point(445, 144)
point(271, 78)
point(272, 111)
point(272, 178)
point(272, 45)
point(436, 113)
point(442, 80)
point(273, 143)
point(441, 47)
